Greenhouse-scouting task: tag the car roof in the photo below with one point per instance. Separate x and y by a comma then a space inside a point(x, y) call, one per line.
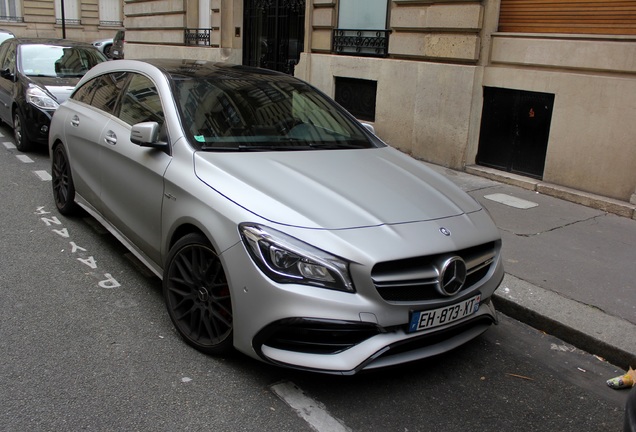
point(49, 41)
point(177, 69)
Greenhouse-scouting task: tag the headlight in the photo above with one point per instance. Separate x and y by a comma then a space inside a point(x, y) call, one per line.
point(286, 259)
point(38, 97)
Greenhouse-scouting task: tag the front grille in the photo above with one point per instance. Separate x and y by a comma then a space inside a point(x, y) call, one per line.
point(417, 279)
point(315, 336)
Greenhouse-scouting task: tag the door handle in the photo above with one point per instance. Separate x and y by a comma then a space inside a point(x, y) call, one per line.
point(75, 121)
point(110, 138)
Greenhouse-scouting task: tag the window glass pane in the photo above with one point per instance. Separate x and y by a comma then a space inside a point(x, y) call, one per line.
point(71, 10)
point(362, 14)
point(9, 60)
point(85, 92)
point(10, 10)
point(108, 90)
point(141, 103)
point(57, 61)
point(109, 12)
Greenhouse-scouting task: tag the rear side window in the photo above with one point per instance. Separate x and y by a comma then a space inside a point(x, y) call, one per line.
point(102, 92)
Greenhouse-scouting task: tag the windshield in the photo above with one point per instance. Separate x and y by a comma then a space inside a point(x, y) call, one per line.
point(264, 114)
point(57, 61)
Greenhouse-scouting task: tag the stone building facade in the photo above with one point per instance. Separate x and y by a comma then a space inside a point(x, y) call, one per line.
point(529, 87)
point(84, 20)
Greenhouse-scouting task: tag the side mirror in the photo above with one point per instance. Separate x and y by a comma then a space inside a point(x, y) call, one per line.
point(369, 127)
point(6, 73)
point(146, 134)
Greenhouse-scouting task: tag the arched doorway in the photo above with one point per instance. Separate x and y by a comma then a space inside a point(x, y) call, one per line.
point(274, 33)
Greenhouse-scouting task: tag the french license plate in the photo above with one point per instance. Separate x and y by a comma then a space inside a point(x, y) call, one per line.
point(423, 320)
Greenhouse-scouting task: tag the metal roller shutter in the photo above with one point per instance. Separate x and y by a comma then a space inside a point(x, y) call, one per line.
point(609, 17)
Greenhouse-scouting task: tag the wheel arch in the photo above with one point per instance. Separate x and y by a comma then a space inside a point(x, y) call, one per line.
point(185, 229)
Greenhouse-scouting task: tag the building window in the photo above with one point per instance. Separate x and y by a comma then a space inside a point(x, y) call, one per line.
point(362, 28)
point(11, 10)
point(110, 13)
point(357, 96)
point(71, 12)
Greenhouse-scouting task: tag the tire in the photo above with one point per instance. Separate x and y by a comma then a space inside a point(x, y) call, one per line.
point(22, 143)
point(197, 295)
point(107, 49)
point(63, 187)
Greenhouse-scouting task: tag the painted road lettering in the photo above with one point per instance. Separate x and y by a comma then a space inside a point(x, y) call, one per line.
point(53, 221)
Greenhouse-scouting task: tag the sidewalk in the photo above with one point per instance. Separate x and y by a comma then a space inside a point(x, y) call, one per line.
point(570, 268)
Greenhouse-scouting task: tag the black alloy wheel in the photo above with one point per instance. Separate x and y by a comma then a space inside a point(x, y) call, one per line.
point(197, 295)
point(22, 143)
point(63, 187)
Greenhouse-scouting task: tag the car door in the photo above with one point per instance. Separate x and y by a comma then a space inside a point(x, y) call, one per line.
point(132, 176)
point(85, 115)
point(7, 72)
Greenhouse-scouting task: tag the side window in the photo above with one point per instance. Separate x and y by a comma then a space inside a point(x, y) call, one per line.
point(8, 62)
point(3, 52)
point(108, 91)
point(86, 91)
point(141, 102)
point(102, 92)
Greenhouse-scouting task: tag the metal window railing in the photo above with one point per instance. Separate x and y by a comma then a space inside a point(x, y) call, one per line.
point(111, 23)
point(197, 36)
point(373, 43)
point(6, 18)
point(68, 21)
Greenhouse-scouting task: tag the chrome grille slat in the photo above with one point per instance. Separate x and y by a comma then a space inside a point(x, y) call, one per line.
point(416, 279)
point(424, 274)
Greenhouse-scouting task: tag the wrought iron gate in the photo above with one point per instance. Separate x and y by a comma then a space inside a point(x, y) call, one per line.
point(515, 127)
point(274, 32)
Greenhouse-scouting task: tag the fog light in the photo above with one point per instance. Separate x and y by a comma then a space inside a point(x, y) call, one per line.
point(44, 129)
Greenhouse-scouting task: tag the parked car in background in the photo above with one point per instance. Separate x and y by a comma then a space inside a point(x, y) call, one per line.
point(117, 51)
point(279, 224)
point(104, 45)
point(36, 75)
point(5, 34)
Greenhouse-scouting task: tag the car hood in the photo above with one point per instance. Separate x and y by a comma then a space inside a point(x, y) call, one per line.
point(333, 189)
point(61, 88)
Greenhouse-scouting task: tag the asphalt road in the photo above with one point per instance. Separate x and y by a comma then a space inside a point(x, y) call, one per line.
point(86, 344)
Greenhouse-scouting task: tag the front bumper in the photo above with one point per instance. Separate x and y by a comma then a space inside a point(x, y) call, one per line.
point(337, 332)
point(348, 348)
point(37, 124)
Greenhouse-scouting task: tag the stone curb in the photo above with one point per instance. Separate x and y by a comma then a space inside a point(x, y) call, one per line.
point(586, 327)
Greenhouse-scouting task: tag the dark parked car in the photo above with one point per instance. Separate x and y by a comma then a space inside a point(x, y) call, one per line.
point(36, 75)
point(117, 51)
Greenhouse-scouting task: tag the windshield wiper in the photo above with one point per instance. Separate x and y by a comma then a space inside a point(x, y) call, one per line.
point(340, 145)
point(259, 147)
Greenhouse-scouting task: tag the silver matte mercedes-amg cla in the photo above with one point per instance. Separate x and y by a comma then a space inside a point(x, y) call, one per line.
point(279, 224)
